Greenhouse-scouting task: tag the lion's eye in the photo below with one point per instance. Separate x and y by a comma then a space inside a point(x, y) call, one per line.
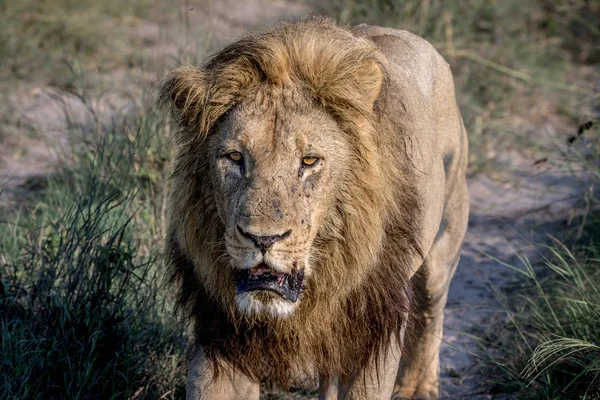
point(235, 156)
point(309, 161)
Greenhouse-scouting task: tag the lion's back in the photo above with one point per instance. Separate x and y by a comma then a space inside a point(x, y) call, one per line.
point(420, 104)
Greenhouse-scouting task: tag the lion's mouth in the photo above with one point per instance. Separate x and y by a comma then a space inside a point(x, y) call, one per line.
point(262, 277)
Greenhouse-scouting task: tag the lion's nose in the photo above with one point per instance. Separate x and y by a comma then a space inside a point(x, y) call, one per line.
point(264, 242)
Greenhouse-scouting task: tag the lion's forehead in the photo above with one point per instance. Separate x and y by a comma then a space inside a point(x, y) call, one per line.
point(290, 96)
point(279, 131)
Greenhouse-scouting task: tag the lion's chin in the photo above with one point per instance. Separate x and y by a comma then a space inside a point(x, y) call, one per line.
point(264, 303)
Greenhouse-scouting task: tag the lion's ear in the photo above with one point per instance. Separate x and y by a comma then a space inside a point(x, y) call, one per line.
point(371, 81)
point(184, 92)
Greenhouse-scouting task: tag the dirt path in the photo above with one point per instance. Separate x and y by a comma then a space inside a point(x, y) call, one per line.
point(504, 217)
point(506, 220)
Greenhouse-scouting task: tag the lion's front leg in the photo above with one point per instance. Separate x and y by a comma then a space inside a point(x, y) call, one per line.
point(375, 383)
point(420, 366)
point(418, 377)
point(228, 385)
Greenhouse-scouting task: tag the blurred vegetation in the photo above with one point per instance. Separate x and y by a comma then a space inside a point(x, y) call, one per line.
point(515, 63)
point(53, 41)
point(84, 311)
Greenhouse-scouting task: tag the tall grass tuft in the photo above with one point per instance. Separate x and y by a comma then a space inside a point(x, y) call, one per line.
point(549, 348)
point(83, 310)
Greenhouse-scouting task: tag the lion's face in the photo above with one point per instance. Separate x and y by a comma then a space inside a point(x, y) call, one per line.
point(274, 172)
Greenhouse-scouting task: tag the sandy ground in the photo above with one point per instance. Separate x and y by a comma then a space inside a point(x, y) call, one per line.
point(505, 216)
point(506, 221)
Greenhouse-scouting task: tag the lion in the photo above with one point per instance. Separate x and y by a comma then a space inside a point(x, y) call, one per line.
point(318, 208)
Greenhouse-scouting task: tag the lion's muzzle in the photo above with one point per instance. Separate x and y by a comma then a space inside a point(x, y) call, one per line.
point(263, 243)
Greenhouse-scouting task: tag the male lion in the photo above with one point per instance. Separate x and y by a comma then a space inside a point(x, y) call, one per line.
point(318, 210)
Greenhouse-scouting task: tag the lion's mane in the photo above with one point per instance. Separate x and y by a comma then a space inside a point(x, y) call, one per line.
point(360, 293)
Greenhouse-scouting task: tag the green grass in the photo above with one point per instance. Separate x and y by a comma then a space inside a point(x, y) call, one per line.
point(549, 345)
point(83, 308)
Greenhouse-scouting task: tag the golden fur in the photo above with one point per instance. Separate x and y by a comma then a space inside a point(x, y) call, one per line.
point(364, 235)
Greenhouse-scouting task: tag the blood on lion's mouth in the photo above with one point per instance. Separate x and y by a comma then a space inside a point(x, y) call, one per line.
point(262, 277)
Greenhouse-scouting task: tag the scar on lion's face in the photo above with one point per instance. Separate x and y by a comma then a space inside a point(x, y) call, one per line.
point(275, 172)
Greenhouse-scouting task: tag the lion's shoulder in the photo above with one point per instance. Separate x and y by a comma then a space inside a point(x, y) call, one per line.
point(408, 57)
point(399, 42)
